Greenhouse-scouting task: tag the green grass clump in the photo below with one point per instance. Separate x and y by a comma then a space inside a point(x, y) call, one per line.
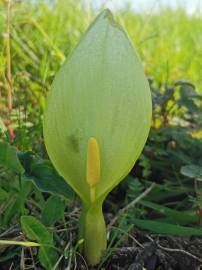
point(170, 43)
point(42, 34)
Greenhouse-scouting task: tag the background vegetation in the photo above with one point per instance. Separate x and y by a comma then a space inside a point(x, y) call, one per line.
point(41, 36)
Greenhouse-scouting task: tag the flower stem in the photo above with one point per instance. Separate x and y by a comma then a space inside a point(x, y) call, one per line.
point(93, 230)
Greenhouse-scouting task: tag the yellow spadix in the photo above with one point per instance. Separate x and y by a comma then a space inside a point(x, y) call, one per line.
point(93, 166)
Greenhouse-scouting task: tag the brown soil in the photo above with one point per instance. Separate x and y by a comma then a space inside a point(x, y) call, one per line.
point(158, 253)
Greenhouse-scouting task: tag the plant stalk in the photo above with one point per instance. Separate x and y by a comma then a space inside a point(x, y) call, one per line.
point(8, 70)
point(8, 57)
point(93, 231)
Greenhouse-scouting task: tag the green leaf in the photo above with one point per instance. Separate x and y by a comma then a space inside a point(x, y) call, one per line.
point(12, 210)
point(44, 176)
point(192, 171)
point(47, 180)
point(187, 90)
point(165, 228)
point(53, 210)
point(9, 159)
point(165, 191)
point(35, 230)
point(174, 216)
point(18, 243)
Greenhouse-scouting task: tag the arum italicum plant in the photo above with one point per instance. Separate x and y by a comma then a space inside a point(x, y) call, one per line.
point(97, 120)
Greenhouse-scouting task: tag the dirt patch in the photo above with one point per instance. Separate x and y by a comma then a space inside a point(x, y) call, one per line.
point(158, 253)
point(155, 253)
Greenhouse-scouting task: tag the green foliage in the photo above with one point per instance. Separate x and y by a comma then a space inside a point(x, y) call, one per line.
point(169, 43)
point(8, 158)
point(163, 41)
point(29, 168)
point(2, 127)
point(34, 230)
point(3, 195)
point(166, 228)
point(172, 159)
point(192, 171)
point(171, 215)
point(53, 211)
point(43, 175)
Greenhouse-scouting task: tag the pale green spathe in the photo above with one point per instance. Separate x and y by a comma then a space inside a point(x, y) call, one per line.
point(101, 92)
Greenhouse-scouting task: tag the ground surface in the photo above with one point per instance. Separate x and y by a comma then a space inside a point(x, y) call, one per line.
point(157, 253)
point(163, 253)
